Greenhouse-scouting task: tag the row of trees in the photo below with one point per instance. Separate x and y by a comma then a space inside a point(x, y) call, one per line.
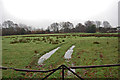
point(88, 27)
point(11, 28)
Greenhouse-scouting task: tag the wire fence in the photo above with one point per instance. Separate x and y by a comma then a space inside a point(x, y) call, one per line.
point(63, 67)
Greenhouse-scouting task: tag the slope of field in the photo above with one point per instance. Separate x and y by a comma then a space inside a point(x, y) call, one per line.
point(23, 51)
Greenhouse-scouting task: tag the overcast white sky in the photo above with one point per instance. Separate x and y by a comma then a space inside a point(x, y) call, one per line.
point(41, 13)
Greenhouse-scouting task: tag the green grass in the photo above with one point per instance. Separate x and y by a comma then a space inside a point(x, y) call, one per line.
point(20, 55)
point(87, 53)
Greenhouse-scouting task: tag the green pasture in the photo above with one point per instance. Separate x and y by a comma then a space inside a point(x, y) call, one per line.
point(23, 52)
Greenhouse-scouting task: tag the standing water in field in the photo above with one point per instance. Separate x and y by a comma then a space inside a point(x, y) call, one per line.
point(68, 56)
point(46, 56)
point(69, 53)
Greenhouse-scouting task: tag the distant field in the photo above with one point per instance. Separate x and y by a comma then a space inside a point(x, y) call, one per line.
point(19, 51)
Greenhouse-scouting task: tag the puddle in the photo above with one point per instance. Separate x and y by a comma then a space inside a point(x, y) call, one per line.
point(46, 56)
point(72, 47)
point(69, 53)
point(67, 56)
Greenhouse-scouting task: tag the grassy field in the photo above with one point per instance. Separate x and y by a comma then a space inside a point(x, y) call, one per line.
point(23, 52)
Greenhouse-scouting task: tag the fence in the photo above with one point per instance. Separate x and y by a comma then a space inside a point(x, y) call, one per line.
point(63, 67)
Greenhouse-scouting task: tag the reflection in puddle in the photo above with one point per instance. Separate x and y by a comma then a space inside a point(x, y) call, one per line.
point(46, 56)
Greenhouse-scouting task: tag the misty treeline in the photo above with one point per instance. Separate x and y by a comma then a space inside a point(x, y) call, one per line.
point(10, 28)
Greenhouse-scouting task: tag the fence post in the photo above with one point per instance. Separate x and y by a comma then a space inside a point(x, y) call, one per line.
point(74, 73)
point(62, 72)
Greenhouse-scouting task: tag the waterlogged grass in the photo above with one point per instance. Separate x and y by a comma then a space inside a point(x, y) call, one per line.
point(87, 51)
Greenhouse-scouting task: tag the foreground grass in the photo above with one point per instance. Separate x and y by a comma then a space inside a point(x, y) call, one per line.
point(21, 55)
point(24, 55)
point(87, 53)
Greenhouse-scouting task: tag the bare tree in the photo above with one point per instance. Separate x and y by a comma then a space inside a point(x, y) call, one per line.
point(8, 24)
point(66, 26)
point(106, 24)
point(79, 28)
point(98, 23)
point(89, 23)
point(54, 27)
point(10, 28)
